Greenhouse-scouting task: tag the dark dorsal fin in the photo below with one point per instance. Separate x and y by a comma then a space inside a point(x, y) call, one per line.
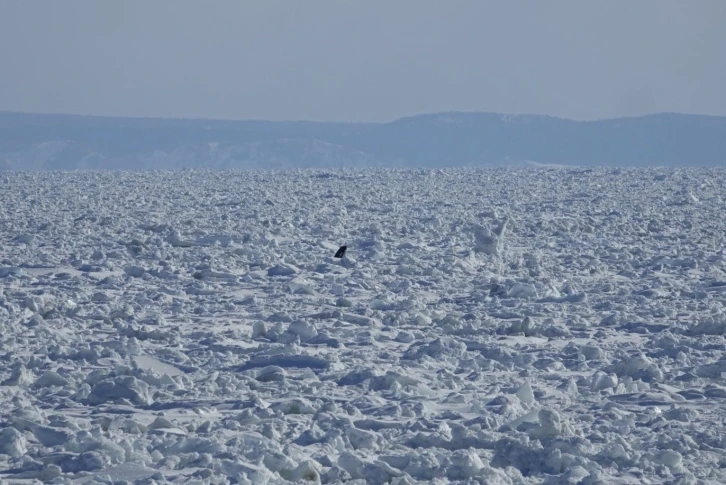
point(341, 251)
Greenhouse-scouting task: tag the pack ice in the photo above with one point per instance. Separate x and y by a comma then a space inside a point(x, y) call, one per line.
point(491, 326)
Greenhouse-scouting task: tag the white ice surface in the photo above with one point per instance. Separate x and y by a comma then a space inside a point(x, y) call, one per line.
point(544, 325)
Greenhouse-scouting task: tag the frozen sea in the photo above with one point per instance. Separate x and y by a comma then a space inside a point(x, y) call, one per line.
point(486, 326)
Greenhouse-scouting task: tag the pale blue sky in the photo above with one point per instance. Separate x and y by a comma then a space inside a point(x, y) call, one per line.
point(362, 60)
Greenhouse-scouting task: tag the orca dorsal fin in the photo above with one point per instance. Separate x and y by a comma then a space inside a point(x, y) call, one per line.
point(341, 252)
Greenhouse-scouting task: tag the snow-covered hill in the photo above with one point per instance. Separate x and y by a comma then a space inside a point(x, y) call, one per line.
point(62, 142)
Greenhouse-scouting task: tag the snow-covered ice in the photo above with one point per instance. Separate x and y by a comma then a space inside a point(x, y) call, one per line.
point(542, 325)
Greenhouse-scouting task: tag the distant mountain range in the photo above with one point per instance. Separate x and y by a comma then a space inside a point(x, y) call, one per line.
point(70, 142)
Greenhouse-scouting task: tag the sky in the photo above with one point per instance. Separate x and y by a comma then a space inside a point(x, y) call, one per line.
point(372, 60)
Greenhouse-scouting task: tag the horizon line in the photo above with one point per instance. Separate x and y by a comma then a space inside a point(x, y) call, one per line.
point(423, 114)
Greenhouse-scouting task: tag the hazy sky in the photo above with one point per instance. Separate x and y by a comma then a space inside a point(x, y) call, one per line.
point(362, 60)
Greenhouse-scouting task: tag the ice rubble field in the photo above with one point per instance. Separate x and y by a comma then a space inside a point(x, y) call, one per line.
point(554, 326)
